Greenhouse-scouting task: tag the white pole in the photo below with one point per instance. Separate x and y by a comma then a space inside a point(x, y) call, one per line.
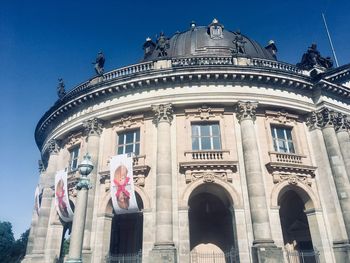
point(330, 40)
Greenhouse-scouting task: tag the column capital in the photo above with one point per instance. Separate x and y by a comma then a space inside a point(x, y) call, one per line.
point(93, 127)
point(162, 113)
point(53, 147)
point(322, 118)
point(246, 110)
point(41, 166)
point(341, 122)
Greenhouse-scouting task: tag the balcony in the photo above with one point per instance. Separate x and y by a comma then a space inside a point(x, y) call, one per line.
point(277, 157)
point(209, 155)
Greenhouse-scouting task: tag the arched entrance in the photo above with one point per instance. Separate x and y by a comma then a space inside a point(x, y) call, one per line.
point(126, 234)
point(211, 222)
point(295, 228)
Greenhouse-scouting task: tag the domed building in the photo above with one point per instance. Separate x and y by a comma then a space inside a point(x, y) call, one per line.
point(236, 157)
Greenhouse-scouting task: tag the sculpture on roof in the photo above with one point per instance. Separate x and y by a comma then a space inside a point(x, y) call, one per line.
point(272, 49)
point(99, 63)
point(162, 45)
point(215, 29)
point(148, 48)
point(61, 92)
point(312, 58)
point(239, 43)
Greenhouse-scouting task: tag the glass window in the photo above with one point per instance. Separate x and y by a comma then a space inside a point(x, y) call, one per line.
point(129, 142)
point(73, 160)
point(282, 139)
point(206, 136)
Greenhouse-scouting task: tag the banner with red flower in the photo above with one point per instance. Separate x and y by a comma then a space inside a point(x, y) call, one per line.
point(122, 184)
point(63, 207)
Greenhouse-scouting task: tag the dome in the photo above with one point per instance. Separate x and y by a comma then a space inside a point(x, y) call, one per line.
point(211, 40)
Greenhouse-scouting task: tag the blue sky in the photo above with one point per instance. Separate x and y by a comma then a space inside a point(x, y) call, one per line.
point(43, 40)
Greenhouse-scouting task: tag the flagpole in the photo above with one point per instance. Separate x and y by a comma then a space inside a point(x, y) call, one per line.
point(330, 40)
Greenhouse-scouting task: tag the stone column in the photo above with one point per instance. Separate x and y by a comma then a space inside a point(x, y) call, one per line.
point(47, 183)
point(342, 126)
point(164, 249)
point(327, 120)
point(263, 245)
point(328, 186)
point(93, 130)
point(184, 235)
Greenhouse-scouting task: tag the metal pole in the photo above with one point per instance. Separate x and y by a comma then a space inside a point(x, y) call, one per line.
point(330, 40)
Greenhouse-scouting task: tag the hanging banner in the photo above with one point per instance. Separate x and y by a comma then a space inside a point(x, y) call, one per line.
point(61, 197)
point(37, 199)
point(122, 184)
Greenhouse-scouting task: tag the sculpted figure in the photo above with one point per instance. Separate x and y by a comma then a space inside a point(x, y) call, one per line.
point(99, 63)
point(239, 43)
point(60, 88)
point(313, 58)
point(162, 45)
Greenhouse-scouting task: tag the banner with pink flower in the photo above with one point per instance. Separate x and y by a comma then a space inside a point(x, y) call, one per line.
point(122, 184)
point(63, 207)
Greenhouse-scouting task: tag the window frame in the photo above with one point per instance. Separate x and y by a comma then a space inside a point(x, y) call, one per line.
point(285, 140)
point(211, 135)
point(73, 158)
point(134, 141)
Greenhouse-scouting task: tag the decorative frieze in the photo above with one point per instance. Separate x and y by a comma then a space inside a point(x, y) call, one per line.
point(93, 126)
point(207, 177)
point(281, 117)
point(74, 139)
point(291, 178)
point(204, 113)
point(162, 112)
point(127, 121)
point(246, 110)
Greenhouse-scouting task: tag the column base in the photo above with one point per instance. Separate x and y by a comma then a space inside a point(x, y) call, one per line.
point(266, 251)
point(163, 252)
point(341, 250)
point(74, 260)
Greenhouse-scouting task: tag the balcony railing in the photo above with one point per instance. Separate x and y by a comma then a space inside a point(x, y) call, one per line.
point(305, 256)
point(125, 258)
point(208, 155)
point(277, 157)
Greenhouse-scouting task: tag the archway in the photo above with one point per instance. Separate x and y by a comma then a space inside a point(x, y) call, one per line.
point(295, 227)
point(211, 221)
point(127, 232)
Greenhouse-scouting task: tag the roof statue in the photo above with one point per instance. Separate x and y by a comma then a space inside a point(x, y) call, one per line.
point(312, 58)
point(61, 92)
point(162, 45)
point(215, 29)
point(271, 47)
point(239, 43)
point(148, 47)
point(99, 63)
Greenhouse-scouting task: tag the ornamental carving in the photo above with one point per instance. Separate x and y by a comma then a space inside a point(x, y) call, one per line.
point(53, 147)
point(74, 139)
point(127, 121)
point(292, 179)
point(282, 116)
point(341, 122)
point(93, 127)
point(325, 118)
point(41, 166)
point(204, 113)
point(162, 112)
point(209, 177)
point(246, 110)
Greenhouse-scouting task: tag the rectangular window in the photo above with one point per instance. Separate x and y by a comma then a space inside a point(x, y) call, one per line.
point(129, 142)
point(73, 161)
point(206, 136)
point(282, 139)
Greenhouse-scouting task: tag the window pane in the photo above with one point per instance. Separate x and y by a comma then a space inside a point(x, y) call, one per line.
point(195, 143)
point(120, 150)
point(205, 130)
point(280, 133)
point(121, 139)
point(216, 143)
point(275, 145)
point(215, 129)
point(282, 146)
point(138, 135)
point(206, 143)
point(291, 147)
point(289, 134)
point(129, 148)
point(129, 137)
point(74, 164)
point(195, 130)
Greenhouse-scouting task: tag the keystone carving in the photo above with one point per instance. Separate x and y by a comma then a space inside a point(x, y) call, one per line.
point(162, 112)
point(246, 110)
point(93, 127)
point(292, 179)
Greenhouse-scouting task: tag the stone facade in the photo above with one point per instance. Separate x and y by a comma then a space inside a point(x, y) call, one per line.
point(248, 155)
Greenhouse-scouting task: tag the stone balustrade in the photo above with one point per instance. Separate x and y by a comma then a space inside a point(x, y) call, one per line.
point(277, 157)
point(257, 62)
point(209, 155)
point(137, 68)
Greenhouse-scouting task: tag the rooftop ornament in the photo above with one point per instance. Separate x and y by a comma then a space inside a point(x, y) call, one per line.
point(99, 64)
point(239, 44)
point(148, 47)
point(313, 59)
point(215, 29)
point(162, 45)
point(61, 92)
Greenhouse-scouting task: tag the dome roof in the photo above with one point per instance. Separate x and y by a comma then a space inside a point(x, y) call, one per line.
point(211, 40)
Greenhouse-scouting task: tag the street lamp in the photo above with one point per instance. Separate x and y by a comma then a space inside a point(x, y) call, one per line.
point(77, 236)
